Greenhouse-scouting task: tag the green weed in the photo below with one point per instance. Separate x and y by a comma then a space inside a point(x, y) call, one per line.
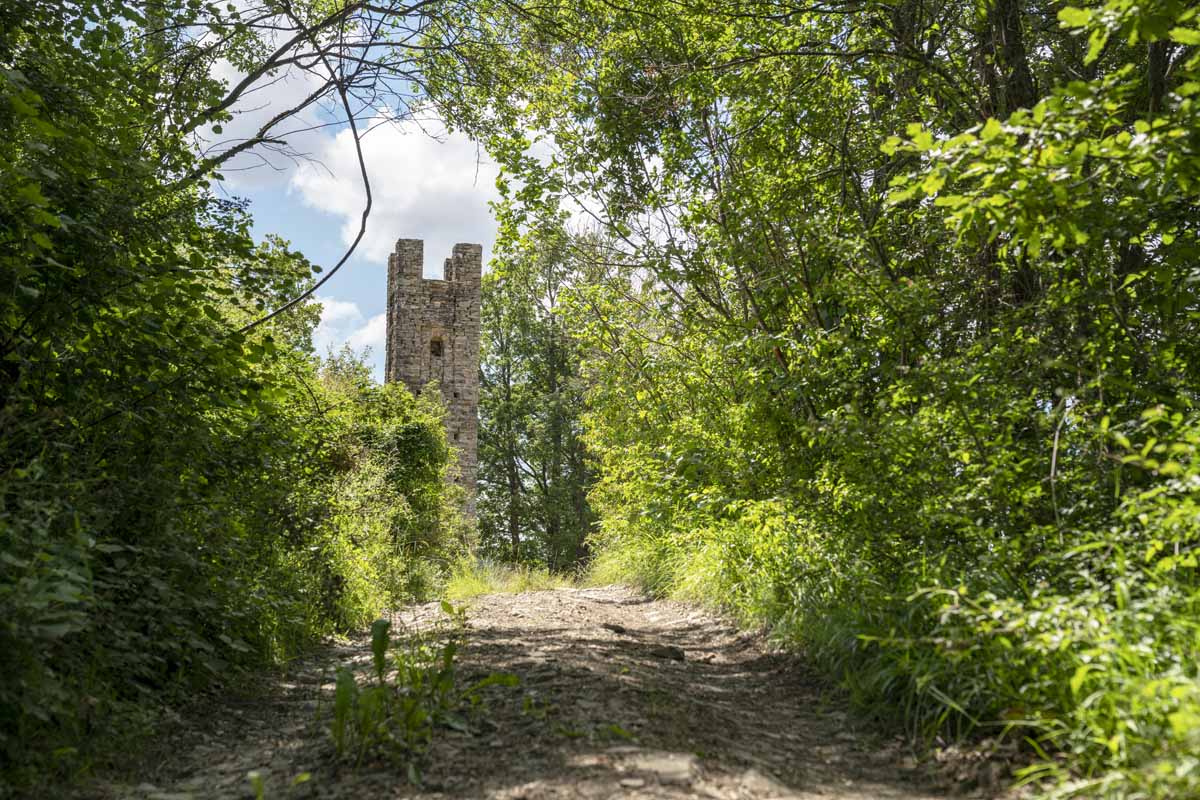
point(412, 692)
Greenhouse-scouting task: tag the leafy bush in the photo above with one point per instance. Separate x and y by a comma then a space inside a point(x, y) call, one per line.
point(1089, 657)
point(185, 489)
point(114, 596)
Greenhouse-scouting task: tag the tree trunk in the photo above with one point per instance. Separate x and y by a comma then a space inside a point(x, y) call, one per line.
point(1004, 63)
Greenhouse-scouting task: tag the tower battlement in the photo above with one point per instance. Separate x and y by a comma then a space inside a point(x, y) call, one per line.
point(433, 335)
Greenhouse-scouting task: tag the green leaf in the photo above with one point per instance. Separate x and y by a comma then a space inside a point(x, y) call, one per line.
point(380, 638)
point(933, 183)
point(497, 679)
point(1079, 677)
point(1186, 36)
point(1097, 41)
point(456, 722)
point(1073, 17)
point(903, 194)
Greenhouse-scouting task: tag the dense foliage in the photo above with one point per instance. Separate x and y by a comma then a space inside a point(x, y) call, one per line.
point(534, 472)
point(898, 346)
point(889, 336)
point(182, 490)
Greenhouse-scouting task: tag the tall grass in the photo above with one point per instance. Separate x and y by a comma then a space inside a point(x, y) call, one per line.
point(475, 577)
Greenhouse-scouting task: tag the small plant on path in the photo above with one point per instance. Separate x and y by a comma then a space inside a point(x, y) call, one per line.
point(412, 693)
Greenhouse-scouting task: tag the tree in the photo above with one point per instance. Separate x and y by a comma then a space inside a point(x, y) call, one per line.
point(534, 470)
point(906, 291)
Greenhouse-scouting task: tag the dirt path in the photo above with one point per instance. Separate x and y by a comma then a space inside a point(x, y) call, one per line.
point(620, 697)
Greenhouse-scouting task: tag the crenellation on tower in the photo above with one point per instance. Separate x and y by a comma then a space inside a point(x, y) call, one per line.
point(433, 335)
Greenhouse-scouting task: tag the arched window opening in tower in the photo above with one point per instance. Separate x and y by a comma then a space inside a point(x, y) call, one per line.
point(435, 348)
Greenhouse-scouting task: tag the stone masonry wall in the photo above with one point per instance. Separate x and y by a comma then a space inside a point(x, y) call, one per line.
point(433, 335)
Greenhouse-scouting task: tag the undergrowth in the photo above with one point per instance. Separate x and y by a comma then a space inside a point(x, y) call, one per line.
point(1087, 661)
point(106, 623)
point(473, 577)
point(412, 692)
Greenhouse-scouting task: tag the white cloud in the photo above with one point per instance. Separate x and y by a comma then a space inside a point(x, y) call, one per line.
point(334, 311)
point(436, 189)
point(266, 165)
point(426, 183)
point(342, 323)
point(373, 334)
point(339, 319)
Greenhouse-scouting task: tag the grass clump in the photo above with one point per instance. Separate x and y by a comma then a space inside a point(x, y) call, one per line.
point(412, 692)
point(472, 578)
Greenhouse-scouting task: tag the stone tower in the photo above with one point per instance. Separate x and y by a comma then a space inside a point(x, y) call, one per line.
point(433, 335)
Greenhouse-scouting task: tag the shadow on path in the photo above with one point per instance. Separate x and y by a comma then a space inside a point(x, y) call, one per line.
point(620, 697)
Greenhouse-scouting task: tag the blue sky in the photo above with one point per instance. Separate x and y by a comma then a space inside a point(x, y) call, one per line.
point(426, 184)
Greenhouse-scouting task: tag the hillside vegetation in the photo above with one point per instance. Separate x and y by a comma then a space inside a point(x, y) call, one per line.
point(890, 318)
point(183, 491)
